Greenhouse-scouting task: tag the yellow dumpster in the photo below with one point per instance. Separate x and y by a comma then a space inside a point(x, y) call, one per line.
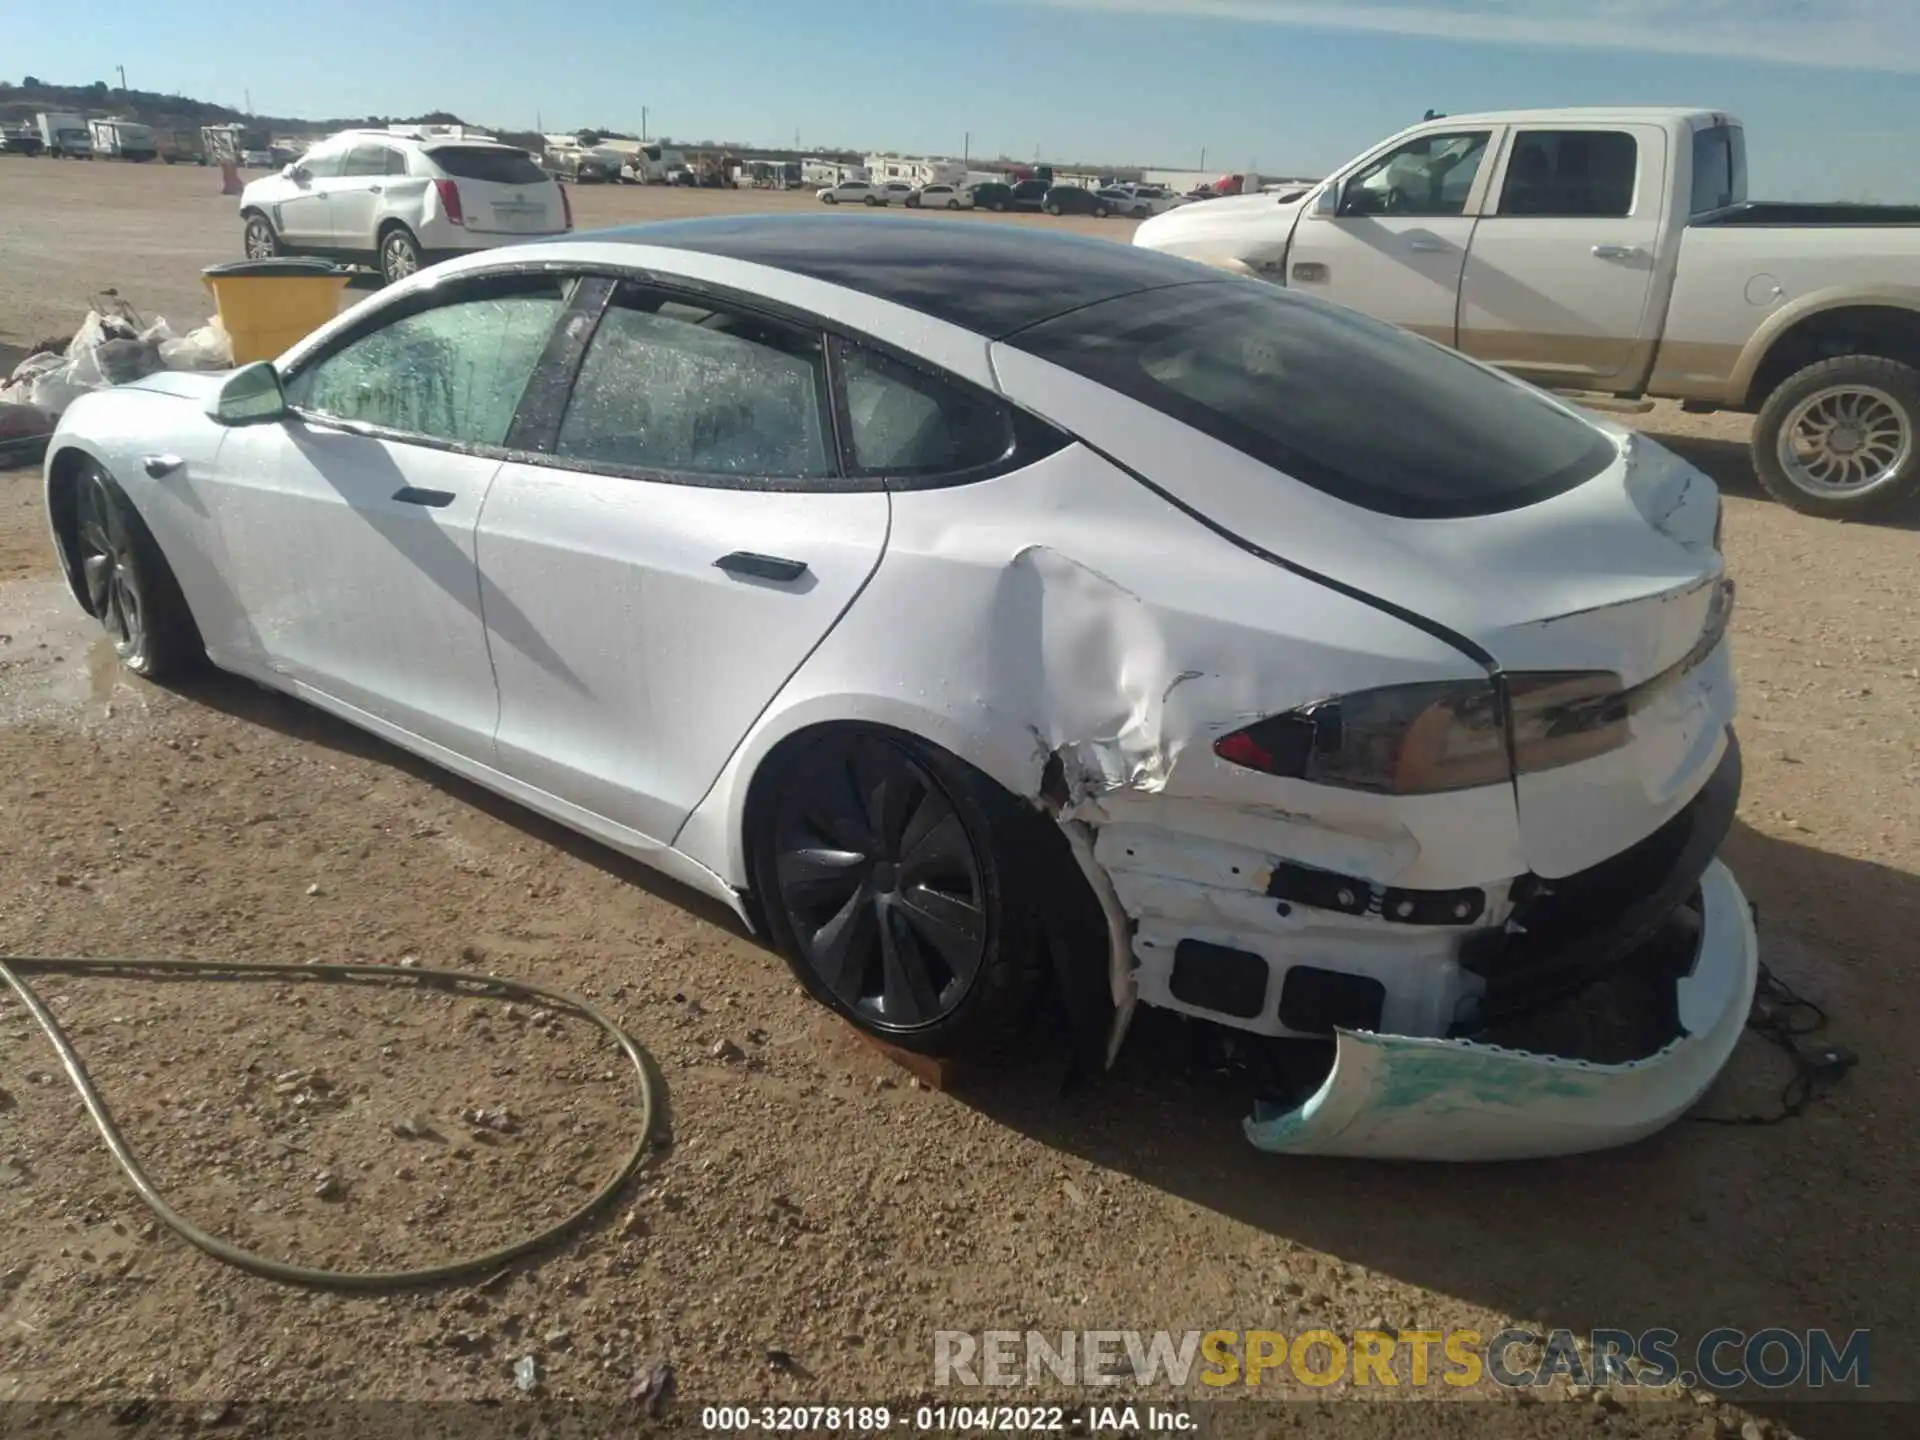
point(267, 305)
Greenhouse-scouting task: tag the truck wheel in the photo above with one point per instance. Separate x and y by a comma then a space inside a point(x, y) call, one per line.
point(1841, 438)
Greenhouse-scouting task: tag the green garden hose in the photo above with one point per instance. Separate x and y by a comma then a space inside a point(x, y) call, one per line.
point(12, 968)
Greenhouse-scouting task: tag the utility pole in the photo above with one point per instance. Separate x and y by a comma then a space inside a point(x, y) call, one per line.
point(1203, 157)
point(249, 103)
point(643, 122)
point(123, 78)
point(966, 150)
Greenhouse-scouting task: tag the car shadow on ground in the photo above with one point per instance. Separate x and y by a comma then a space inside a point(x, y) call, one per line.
point(1729, 464)
point(256, 705)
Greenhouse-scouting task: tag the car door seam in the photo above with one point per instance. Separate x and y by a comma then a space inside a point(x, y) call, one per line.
point(879, 559)
point(486, 629)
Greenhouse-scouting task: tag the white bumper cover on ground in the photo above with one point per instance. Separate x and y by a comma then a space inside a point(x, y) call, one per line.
point(1395, 1097)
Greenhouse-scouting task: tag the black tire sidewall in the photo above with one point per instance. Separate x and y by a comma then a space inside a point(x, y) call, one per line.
point(988, 1012)
point(1898, 380)
point(386, 241)
point(266, 225)
point(167, 634)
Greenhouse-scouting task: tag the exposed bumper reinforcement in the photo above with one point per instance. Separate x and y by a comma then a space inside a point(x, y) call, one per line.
point(1398, 1097)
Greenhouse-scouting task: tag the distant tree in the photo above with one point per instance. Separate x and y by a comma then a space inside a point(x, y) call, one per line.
point(32, 82)
point(99, 87)
point(587, 137)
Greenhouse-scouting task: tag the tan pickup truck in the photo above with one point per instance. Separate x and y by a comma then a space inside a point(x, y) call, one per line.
point(1614, 253)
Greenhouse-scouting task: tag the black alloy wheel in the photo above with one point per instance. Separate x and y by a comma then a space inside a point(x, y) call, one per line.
point(109, 568)
point(880, 883)
point(127, 584)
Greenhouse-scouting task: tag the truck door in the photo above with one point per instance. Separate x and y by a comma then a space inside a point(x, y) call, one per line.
point(1392, 238)
point(1560, 281)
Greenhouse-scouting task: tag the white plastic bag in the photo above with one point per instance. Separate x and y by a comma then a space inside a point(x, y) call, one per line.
point(57, 389)
point(207, 348)
point(34, 366)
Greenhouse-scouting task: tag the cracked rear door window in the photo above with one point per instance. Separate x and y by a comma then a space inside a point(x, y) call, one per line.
point(670, 387)
point(1360, 409)
point(455, 372)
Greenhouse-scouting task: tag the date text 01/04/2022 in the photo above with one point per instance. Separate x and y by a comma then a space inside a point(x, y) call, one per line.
point(942, 1419)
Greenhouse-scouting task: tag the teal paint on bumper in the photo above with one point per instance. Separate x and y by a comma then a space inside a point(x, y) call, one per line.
point(1400, 1097)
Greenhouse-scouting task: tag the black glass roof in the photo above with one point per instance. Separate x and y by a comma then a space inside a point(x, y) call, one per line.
point(991, 278)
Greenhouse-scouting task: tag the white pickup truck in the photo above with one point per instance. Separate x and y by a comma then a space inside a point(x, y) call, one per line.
point(1615, 253)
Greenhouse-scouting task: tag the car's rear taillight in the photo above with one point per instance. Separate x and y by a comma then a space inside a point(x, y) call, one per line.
point(566, 206)
point(1429, 738)
point(450, 201)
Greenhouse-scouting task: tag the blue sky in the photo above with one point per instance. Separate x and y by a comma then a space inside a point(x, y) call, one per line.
point(1830, 89)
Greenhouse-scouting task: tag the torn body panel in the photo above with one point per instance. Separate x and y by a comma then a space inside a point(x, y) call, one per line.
point(1425, 1098)
point(1094, 678)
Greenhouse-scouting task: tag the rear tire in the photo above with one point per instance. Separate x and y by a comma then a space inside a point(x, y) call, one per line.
point(1840, 439)
point(829, 200)
point(902, 886)
point(953, 204)
point(129, 587)
point(399, 255)
point(871, 201)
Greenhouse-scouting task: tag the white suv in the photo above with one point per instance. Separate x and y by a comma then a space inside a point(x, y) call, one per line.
point(401, 201)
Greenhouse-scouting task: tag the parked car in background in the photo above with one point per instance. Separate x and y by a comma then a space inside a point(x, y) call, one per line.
point(893, 192)
point(1078, 200)
point(1615, 252)
point(991, 195)
point(1145, 201)
point(586, 166)
point(20, 140)
point(1028, 194)
point(1175, 662)
point(941, 197)
point(396, 202)
point(849, 192)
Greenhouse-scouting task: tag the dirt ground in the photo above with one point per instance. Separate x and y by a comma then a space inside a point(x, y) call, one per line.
point(818, 1214)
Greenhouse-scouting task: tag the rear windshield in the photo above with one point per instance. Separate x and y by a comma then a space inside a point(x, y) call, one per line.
point(476, 162)
point(1366, 412)
point(1719, 168)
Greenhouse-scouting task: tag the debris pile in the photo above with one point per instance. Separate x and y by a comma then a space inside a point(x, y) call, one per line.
point(112, 347)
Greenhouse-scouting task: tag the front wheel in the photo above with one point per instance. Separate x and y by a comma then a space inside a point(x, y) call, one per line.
point(1100, 212)
point(999, 207)
point(896, 881)
point(953, 204)
point(1053, 210)
point(829, 200)
point(399, 256)
point(261, 242)
point(871, 201)
point(128, 585)
point(1841, 439)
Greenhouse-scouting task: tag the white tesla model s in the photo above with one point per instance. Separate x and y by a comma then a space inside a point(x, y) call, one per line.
point(966, 604)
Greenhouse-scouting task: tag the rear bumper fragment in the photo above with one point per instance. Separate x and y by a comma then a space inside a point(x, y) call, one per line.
point(1400, 1097)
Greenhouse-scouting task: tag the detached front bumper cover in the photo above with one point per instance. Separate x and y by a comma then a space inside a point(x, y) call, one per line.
point(1395, 1097)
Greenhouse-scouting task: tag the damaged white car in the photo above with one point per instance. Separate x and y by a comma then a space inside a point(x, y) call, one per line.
point(956, 600)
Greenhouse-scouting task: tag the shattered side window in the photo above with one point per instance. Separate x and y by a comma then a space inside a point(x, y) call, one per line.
point(455, 372)
point(680, 389)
